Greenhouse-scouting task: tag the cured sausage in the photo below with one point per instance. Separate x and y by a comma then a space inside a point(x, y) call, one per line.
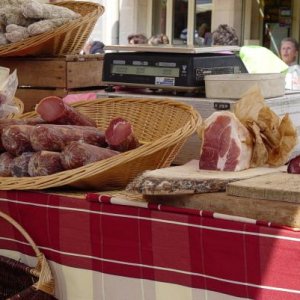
point(53, 137)
point(294, 165)
point(16, 139)
point(54, 110)
point(44, 163)
point(78, 154)
point(119, 135)
point(5, 164)
point(7, 122)
point(19, 165)
point(27, 121)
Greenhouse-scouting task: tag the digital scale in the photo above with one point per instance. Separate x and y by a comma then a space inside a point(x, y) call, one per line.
point(168, 67)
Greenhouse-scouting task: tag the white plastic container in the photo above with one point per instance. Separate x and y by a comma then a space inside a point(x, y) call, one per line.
point(232, 86)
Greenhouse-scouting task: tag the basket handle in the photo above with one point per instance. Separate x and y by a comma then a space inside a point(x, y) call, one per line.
point(42, 269)
point(27, 237)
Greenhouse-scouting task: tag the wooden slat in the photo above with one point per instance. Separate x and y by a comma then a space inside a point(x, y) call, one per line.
point(31, 97)
point(39, 73)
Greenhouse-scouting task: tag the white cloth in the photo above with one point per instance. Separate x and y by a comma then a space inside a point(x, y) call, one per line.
point(292, 78)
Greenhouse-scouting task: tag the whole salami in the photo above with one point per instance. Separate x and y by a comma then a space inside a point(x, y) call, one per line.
point(78, 154)
point(53, 137)
point(119, 135)
point(5, 164)
point(44, 163)
point(16, 139)
point(7, 122)
point(54, 110)
point(19, 165)
point(294, 165)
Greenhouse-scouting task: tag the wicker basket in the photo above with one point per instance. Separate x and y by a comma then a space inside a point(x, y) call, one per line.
point(66, 39)
point(19, 281)
point(161, 125)
point(20, 106)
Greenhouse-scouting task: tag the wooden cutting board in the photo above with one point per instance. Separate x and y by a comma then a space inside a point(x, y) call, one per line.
point(277, 212)
point(275, 186)
point(188, 179)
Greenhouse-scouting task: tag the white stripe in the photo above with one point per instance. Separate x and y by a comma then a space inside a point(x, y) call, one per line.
point(121, 201)
point(157, 220)
point(234, 218)
point(161, 269)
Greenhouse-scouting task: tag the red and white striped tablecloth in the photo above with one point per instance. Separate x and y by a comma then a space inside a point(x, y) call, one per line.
point(119, 249)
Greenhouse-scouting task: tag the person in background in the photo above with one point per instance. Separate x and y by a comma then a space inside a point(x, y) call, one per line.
point(93, 47)
point(289, 49)
point(224, 35)
point(97, 47)
point(159, 39)
point(137, 39)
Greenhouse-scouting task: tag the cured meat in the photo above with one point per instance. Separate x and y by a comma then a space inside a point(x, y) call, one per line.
point(55, 137)
point(7, 122)
point(226, 143)
point(28, 121)
point(119, 135)
point(16, 139)
point(53, 110)
point(294, 165)
point(5, 164)
point(19, 165)
point(78, 154)
point(44, 163)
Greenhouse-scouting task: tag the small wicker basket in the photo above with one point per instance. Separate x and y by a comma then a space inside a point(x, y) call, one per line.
point(66, 39)
point(19, 281)
point(162, 126)
point(20, 106)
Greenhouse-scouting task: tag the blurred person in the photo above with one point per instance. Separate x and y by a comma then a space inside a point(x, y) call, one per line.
point(137, 39)
point(224, 35)
point(97, 47)
point(289, 49)
point(93, 47)
point(159, 39)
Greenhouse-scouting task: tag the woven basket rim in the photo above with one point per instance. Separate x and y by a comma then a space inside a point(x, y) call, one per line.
point(96, 11)
point(69, 176)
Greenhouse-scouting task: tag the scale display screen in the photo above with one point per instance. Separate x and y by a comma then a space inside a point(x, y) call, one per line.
point(144, 70)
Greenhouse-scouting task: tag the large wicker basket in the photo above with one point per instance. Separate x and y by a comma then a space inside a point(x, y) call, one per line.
point(19, 281)
point(66, 39)
point(161, 125)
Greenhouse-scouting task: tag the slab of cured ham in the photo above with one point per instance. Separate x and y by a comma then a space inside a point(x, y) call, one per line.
point(226, 143)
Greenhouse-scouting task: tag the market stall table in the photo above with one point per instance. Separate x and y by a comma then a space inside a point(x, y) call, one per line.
point(112, 247)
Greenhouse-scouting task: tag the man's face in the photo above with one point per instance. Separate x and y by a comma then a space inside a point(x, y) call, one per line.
point(288, 52)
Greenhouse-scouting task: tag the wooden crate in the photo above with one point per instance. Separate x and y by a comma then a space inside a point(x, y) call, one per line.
point(42, 76)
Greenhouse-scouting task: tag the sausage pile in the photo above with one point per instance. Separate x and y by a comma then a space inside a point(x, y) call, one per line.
point(59, 138)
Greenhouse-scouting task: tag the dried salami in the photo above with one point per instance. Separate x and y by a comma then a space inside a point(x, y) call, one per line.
point(119, 135)
point(78, 154)
point(6, 164)
point(16, 139)
point(7, 122)
point(54, 110)
point(53, 137)
point(19, 165)
point(44, 163)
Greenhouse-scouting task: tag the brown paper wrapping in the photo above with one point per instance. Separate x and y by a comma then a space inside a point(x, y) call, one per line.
point(274, 138)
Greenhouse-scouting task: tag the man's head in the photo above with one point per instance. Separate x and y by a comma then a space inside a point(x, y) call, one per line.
point(289, 50)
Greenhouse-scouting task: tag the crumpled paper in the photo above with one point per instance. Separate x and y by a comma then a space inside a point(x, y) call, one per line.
point(274, 138)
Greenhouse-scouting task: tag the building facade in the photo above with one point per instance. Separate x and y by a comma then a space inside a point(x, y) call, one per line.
point(261, 22)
